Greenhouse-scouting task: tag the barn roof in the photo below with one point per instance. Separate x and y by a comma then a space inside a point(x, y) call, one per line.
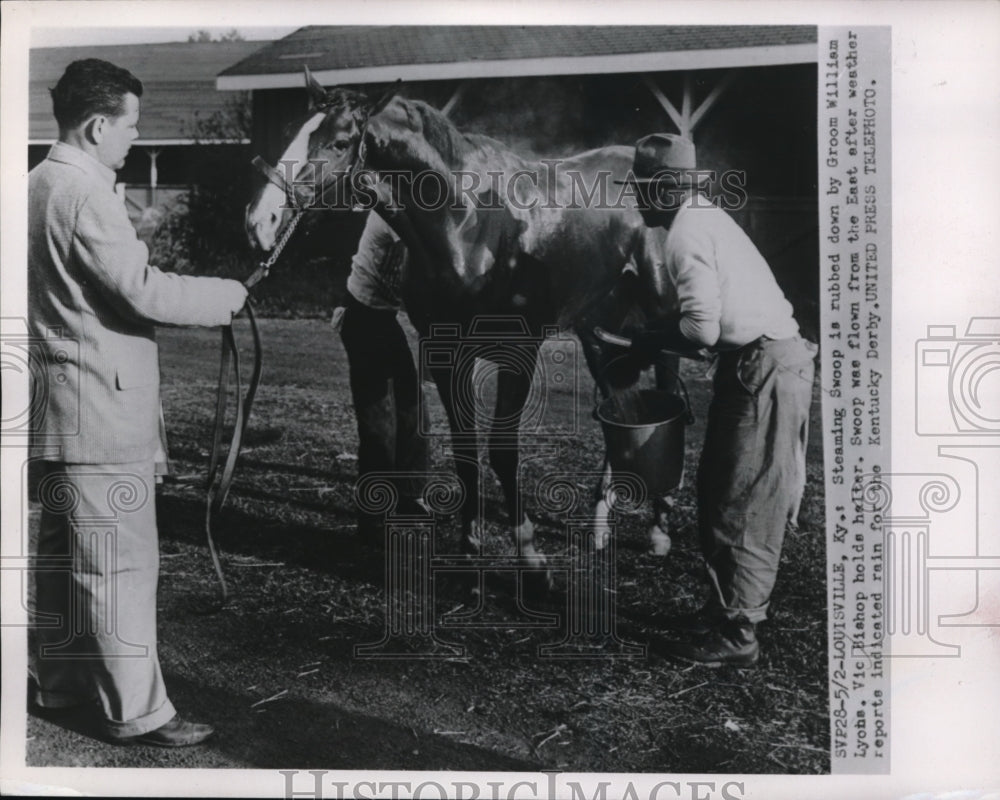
point(370, 54)
point(178, 81)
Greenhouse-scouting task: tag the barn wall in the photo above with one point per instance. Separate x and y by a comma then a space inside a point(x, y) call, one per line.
point(179, 167)
point(180, 164)
point(274, 111)
point(765, 123)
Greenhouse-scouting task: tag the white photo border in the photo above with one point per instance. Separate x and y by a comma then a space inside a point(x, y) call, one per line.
point(945, 731)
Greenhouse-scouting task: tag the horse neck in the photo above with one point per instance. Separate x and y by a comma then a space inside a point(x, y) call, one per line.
point(430, 232)
point(564, 242)
point(412, 137)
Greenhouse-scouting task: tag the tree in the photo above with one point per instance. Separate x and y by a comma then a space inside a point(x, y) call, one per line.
point(232, 35)
point(202, 233)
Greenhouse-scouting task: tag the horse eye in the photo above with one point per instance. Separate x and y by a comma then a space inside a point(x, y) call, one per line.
point(342, 144)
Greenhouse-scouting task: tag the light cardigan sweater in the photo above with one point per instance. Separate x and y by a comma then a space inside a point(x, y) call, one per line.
point(93, 302)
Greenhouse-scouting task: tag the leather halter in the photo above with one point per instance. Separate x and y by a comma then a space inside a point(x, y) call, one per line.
point(277, 179)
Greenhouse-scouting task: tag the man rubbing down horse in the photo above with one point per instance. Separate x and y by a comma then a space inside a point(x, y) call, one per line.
point(751, 474)
point(89, 282)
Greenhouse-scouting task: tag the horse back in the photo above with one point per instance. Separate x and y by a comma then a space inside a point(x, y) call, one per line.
point(583, 227)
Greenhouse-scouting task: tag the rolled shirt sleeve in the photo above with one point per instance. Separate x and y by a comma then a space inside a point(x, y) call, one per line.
point(111, 254)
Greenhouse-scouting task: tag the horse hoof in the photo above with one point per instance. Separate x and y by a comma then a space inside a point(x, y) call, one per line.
point(524, 534)
point(601, 530)
point(659, 542)
point(601, 538)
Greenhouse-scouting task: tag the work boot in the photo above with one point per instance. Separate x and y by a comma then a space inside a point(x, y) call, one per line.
point(732, 641)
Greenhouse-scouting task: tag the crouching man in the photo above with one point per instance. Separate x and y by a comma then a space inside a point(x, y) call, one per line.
point(752, 469)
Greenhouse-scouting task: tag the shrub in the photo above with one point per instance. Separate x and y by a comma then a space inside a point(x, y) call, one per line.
point(201, 232)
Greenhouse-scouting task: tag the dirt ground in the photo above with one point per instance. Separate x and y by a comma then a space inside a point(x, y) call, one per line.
point(276, 670)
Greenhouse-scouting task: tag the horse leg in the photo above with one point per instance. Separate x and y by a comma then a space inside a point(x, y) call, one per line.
point(596, 357)
point(666, 371)
point(513, 386)
point(465, 452)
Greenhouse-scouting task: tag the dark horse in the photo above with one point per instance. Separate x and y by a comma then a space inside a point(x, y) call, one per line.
point(576, 231)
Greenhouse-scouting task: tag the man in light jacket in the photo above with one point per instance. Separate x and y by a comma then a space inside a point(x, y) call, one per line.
point(94, 302)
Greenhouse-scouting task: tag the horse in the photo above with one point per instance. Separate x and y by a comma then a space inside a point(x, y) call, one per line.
point(577, 230)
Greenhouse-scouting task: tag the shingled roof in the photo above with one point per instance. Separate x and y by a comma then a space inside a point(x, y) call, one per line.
point(178, 82)
point(358, 54)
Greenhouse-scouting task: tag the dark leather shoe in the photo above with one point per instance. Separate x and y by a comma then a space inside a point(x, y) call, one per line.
point(730, 642)
point(176, 733)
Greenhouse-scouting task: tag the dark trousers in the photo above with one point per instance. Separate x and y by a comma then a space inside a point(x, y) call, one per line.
point(385, 389)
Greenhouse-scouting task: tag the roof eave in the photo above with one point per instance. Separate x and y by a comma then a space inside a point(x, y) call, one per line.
point(524, 67)
point(158, 142)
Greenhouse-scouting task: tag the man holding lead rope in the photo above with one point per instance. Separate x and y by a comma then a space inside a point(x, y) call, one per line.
point(94, 302)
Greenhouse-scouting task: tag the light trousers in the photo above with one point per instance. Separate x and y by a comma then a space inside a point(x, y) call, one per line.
point(752, 469)
point(95, 594)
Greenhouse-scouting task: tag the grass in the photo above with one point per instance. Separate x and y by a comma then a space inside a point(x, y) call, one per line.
point(276, 669)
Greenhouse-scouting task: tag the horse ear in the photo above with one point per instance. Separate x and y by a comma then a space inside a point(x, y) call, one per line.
point(317, 94)
point(383, 101)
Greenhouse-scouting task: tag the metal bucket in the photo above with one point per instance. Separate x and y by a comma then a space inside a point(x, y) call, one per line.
point(644, 435)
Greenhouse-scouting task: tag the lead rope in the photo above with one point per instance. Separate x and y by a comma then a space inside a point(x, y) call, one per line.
point(218, 484)
point(216, 492)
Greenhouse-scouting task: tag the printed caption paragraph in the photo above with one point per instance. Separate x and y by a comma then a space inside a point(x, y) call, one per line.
point(855, 217)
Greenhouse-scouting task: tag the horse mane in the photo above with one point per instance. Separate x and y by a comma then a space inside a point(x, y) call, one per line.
point(458, 150)
point(443, 146)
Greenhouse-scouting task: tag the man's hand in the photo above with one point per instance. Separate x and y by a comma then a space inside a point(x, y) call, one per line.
point(657, 335)
point(646, 345)
point(238, 297)
point(647, 342)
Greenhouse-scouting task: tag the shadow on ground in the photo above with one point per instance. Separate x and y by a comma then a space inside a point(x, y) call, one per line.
point(289, 733)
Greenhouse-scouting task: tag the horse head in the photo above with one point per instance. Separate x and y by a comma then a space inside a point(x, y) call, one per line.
point(318, 161)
